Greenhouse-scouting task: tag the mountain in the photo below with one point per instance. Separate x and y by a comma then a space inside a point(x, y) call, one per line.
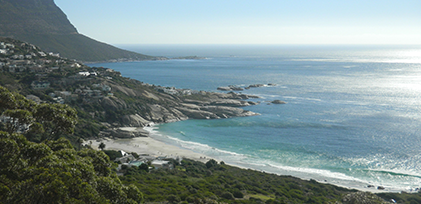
point(42, 23)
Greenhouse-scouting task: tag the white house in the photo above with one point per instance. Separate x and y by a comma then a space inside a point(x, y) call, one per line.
point(161, 164)
point(86, 74)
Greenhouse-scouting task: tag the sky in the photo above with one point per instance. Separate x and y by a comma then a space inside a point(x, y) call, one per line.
point(280, 22)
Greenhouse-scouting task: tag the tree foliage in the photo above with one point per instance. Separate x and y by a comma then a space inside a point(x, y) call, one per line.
point(23, 115)
point(52, 171)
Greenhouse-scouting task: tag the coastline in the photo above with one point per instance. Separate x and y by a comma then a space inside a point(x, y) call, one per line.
point(155, 148)
point(147, 146)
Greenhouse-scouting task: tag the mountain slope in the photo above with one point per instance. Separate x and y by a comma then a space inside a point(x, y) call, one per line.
point(42, 23)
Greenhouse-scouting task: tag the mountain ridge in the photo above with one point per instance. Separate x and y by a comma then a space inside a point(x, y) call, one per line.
point(43, 23)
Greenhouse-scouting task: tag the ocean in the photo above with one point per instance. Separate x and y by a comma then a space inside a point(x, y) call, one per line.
point(352, 116)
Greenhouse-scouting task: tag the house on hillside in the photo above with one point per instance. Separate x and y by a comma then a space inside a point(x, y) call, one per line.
point(85, 74)
point(54, 54)
point(162, 164)
point(42, 54)
point(125, 159)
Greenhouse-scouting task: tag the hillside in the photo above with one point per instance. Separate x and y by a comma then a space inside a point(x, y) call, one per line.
point(102, 96)
point(42, 23)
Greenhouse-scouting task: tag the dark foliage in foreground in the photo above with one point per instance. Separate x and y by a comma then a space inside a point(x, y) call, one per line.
point(52, 171)
point(196, 182)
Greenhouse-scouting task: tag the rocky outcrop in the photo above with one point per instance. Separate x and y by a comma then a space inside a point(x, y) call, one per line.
point(113, 103)
point(151, 106)
point(278, 102)
point(134, 121)
point(212, 112)
point(161, 114)
point(124, 133)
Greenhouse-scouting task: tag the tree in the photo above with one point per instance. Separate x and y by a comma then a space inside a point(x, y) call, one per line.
point(56, 119)
point(211, 163)
point(101, 146)
point(26, 116)
point(54, 172)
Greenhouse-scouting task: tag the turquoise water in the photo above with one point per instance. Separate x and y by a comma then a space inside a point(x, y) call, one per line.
point(351, 118)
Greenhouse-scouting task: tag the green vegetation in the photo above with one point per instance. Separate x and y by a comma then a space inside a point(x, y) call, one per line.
point(52, 171)
point(196, 182)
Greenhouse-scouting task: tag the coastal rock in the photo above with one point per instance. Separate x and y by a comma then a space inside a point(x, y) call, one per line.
point(255, 86)
point(236, 88)
point(228, 112)
point(278, 102)
point(229, 102)
point(197, 113)
point(162, 115)
point(230, 88)
point(224, 88)
point(125, 133)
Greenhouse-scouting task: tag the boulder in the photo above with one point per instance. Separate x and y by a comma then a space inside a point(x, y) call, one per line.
point(278, 102)
point(224, 88)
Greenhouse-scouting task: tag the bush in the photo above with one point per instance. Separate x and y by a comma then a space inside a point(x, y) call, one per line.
point(211, 163)
point(238, 194)
point(227, 195)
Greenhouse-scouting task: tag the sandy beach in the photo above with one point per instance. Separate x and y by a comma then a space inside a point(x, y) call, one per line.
point(152, 147)
point(147, 146)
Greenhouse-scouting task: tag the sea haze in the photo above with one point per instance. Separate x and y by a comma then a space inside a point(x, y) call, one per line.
point(351, 118)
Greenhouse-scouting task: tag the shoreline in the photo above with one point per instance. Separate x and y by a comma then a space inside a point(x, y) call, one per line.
point(155, 148)
point(147, 146)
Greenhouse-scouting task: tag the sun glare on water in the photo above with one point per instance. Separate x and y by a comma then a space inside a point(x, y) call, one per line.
point(409, 56)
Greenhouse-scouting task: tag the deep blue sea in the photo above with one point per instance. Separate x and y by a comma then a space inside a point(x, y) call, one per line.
point(352, 116)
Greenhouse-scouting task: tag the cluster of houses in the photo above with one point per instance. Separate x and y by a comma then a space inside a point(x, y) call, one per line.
point(128, 160)
point(33, 60)
point(84, 92)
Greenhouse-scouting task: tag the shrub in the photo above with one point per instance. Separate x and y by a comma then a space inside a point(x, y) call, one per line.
point(227, 195)
point(238, 194)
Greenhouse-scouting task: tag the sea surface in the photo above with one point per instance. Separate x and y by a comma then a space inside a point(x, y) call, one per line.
point(352, 116)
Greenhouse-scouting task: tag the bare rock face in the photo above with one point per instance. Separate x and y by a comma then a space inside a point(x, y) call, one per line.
point(161, 114)
point(134, 121)
point(228, 112)
point(197, 113)
point(125, 90)
point(125, 133)
point(113, 103)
